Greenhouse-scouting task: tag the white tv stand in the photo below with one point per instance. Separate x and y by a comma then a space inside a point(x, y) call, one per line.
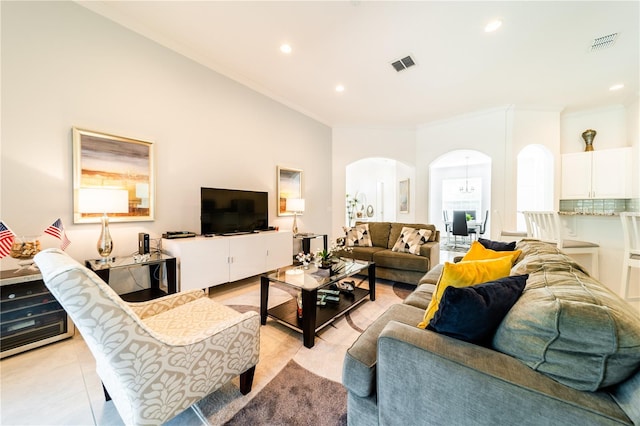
point(209, 261)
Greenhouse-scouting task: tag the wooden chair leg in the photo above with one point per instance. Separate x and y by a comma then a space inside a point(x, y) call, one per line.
point(246, 380)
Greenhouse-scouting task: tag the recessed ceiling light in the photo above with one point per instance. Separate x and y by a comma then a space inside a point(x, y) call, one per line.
point(339, 88)
point(492, 26)
point(616, 87)
point(285, 48)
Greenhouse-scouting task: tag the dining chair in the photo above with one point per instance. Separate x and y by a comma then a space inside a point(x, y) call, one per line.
point(631, 235)
point(546, 226)
point(447, 225)
point(459, 226)
point(480, 228)
point(155, 358)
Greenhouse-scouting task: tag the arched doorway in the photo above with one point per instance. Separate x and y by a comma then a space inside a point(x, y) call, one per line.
point(460, 180)
point(371, 188)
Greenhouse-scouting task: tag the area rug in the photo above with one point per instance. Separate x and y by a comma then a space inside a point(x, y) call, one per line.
point(294, 385)
point(296, 396)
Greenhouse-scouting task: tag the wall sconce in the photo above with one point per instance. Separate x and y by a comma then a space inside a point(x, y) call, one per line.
point(295, 205)
point(104, 200)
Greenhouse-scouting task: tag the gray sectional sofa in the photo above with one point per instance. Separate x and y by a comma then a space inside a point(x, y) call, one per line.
point(567, 353)
point(390, 265)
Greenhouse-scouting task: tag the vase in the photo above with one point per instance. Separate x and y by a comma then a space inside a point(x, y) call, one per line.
point(588, 136)
point(325, 263)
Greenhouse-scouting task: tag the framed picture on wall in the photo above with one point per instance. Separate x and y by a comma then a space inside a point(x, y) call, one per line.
point(108, 163)
point(289, 186)
point(403, 196)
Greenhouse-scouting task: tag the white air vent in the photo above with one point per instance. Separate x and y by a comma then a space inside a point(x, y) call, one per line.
point(604, 42)
point(403, 64)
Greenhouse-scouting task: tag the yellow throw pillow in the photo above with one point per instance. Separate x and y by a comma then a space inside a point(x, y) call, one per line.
point(464, 274)
point(479, 252)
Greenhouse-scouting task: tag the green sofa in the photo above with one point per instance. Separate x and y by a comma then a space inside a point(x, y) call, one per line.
point(402, 267)
point(567, 353)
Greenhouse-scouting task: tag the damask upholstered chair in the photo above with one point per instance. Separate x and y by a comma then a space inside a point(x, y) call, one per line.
point(155, 358)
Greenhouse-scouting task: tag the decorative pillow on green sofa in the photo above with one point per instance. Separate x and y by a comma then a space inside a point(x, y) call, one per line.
point(358, 236)
point(568, 325)
point(411, 239)
point(473, 313)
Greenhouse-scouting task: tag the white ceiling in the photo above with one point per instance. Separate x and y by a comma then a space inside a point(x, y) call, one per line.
point(539, 57)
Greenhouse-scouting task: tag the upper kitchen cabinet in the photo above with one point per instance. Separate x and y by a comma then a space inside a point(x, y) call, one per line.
point(597, 174)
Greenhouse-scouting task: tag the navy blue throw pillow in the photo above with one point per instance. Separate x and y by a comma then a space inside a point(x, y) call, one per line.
point(497, 245)
point(474, 313)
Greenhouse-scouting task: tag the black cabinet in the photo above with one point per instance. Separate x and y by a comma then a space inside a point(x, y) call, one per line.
point(29, 314)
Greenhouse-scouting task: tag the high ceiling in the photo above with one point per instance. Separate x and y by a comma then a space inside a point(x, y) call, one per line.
point(539, 57)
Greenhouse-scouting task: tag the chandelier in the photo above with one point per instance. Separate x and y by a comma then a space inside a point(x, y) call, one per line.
point(466, 189)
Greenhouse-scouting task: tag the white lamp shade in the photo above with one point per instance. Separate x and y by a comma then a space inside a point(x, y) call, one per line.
point(103, 200)
point(295, 205)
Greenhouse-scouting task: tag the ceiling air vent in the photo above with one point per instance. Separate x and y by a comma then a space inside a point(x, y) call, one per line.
point(403, 64)
point(604, 42)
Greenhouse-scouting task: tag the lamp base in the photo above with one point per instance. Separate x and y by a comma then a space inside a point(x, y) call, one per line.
point(295, 224)
point(105, 243)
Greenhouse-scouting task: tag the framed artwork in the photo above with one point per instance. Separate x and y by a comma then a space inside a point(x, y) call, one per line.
point(107, 162)
point(289, 186)
point(403, 192)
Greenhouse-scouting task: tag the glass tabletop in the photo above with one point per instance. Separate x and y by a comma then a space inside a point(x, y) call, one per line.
point(315, 277)
point(125, 261)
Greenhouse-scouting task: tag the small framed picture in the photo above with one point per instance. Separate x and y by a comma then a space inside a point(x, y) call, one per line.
point(403, 196)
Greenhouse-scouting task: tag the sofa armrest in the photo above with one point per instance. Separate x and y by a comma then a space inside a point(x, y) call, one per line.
point(431, 250)
point(425, 375)
point(163, 304)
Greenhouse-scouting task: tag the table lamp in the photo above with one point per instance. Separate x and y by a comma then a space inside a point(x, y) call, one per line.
point(295, 205)
point(104, 200)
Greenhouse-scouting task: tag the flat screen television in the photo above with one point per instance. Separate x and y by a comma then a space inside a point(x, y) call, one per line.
point(232, 211)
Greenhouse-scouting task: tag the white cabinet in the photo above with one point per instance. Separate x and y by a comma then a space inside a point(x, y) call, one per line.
point(597, 174)
point(208, 261)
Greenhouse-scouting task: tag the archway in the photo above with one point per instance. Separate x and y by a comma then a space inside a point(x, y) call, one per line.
point(460, 180)
point(371, 188)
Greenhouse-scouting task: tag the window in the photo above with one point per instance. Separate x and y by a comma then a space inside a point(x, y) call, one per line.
point(535, 181)
point(462, 194)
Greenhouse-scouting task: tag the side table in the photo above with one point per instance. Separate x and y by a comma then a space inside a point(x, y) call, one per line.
point(306, 241)
point(157, 264)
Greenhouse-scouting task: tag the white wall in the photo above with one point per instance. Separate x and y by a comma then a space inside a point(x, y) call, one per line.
point(65, 66)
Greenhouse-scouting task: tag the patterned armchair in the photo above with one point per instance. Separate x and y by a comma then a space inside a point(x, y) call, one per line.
point(156, 358)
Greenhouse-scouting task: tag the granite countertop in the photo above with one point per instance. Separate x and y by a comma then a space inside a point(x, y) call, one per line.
point(588, 214)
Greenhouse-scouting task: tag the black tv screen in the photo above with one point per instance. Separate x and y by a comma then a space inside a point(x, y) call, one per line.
point(231, 211)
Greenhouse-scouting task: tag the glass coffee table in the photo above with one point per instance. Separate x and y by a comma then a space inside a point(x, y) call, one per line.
point(310, 283)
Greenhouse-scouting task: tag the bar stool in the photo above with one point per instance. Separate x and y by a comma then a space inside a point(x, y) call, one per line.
point(546, 226)
point(631, 234)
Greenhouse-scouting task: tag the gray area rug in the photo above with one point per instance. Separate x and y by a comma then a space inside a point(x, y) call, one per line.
point(296, 396)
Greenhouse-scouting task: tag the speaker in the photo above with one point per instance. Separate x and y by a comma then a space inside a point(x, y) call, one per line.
point(143, 243)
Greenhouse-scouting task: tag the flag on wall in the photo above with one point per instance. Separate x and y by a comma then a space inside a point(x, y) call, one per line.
point(57, 230)
point(6, 239)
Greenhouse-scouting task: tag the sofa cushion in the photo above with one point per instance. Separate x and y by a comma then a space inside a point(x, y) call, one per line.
point(357, 236)
point(410, 240)
point(421, 296)
point(362, 253)
point(359, 367)
point(396, 229)
point(568, 325)
point(406, 261)
point(379, 232)
point(479, 252)
point(473, 313)
point(464, 274)
point(497, 245)
point(432, 276)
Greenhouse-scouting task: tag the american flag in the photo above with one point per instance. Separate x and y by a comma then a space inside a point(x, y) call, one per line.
point(6, 240)
point(57, 230)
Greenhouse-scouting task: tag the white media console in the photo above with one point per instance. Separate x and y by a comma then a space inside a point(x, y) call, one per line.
point(209, 261)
